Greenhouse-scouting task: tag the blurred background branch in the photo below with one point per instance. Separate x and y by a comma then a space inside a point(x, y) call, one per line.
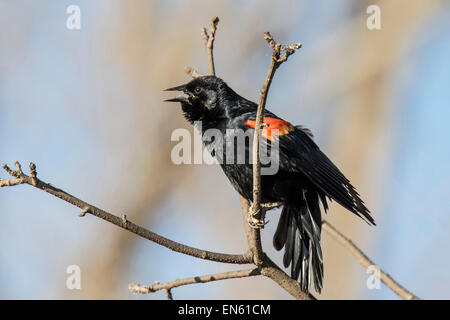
point(366, 263)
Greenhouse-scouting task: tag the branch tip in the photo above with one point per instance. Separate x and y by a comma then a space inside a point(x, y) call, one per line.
point(19, 167)
point(169, 294)
point(34, 179)
point(124, 219)
point(83, 213)
point(190, 71)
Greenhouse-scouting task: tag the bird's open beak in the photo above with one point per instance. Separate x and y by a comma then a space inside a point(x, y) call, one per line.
point(183, 97)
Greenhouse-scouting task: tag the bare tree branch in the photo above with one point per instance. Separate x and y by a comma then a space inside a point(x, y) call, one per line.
point(272, 271)
point(121, 222)
point(279, 55)
point(366, 262)
point(136, 288)
point(268, 267)
point(192, 72)
point(208, 40)
point(169, 294)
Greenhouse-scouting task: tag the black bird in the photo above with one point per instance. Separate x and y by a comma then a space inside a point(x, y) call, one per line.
point(305, 176)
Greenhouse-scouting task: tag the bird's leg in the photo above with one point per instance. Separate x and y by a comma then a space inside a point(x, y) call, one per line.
point(256, 223)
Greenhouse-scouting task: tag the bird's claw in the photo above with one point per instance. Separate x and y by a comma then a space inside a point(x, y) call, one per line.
point(254, 222)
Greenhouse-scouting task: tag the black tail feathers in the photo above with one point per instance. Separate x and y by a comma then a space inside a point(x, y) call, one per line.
point(298, 231)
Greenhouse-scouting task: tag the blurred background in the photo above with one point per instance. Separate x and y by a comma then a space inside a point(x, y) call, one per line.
point(86, 106)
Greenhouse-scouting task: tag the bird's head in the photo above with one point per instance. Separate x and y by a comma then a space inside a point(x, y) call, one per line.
point(201, 97)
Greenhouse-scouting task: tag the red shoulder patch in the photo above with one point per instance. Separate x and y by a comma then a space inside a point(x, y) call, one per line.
point(273, 127)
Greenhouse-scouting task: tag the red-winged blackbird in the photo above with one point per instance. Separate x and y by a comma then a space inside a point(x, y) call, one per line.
point(305, 176)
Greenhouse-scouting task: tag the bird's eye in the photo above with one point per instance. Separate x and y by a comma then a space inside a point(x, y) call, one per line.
point(197, 89)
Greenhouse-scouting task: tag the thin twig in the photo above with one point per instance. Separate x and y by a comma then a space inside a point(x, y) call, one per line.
point(83, 213)
point(208, 40)
point(190, 71)
point(275, 62)
point(365, 261)
point(33, 174)
point(169, 294)
point(122, 222)
point(136, 288)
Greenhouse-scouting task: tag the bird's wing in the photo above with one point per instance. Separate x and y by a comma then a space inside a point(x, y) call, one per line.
point(299, 152)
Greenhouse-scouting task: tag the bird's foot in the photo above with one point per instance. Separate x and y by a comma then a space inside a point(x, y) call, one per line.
point(271, 205)
point(252, 219)
point(256, 223)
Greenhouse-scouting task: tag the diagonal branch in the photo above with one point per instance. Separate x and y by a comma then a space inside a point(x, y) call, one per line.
point(136, 288)
point(365, 262)
point(121, 222)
